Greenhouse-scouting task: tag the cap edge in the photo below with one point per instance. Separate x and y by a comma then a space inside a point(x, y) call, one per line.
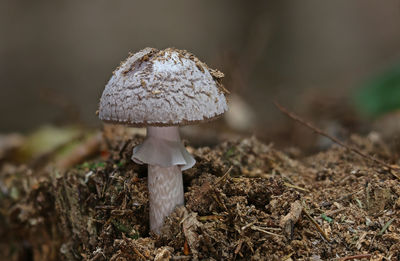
point(161, 124)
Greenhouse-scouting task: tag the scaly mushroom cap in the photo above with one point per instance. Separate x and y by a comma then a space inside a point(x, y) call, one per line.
point(162, 88)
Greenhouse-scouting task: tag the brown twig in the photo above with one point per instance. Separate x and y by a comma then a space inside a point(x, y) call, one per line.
point(356, 257)
point(265, 231)
point(335, 140)
point(295, 187)
point(324, 235)
point(316, 225)
point(224, 176)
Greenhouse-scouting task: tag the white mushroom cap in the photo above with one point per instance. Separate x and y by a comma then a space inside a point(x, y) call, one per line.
point(162, 88)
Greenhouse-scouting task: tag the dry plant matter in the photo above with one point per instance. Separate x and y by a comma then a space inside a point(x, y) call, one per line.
point(394, 169)
point(244, 201)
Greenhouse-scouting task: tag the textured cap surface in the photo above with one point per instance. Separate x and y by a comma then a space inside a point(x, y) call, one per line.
point(162, 88)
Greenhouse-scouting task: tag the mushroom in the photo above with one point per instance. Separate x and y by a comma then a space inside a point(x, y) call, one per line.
point(162, 90)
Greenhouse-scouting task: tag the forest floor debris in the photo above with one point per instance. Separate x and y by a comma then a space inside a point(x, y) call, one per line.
point(245, 200)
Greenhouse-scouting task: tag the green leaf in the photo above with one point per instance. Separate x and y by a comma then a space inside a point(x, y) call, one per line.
point(380, 94)
point(326, 218)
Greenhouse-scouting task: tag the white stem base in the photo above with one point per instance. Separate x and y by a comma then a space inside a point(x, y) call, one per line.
point(165, 192)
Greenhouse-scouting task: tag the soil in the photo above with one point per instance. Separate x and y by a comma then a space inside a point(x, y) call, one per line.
point(245, 200)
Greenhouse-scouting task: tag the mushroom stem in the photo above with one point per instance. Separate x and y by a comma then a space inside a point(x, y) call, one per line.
point(165, 184)
point(165, 192)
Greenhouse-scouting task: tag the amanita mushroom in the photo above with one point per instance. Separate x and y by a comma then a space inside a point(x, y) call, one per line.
point(162, 90)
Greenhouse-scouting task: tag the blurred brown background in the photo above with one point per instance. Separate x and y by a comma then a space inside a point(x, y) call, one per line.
point(56, 56)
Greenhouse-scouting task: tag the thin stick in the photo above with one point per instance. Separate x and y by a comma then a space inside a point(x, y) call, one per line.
point(224, 176)
point(295, 187)
point(265, 231)
point(248, 225)
point(335, 140)
point(325, 236)
point(356, 257)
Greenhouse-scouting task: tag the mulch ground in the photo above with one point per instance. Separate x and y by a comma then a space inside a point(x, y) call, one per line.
point(244, 200)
